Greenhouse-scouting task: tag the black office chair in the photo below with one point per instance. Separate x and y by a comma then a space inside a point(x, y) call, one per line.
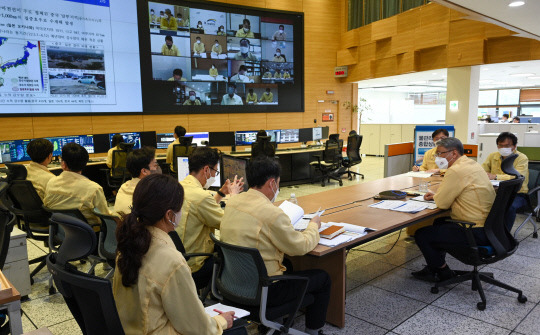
point(532, 197)
point(353, 155)
point(180, 150)
point(27, 206)
point(89, 298)
point(330, 165)
point(502, 243)
point(107, 239)
point(7, 222)
point(119, 172)
point(185, 140)
point(240, 279)
point(263, 147)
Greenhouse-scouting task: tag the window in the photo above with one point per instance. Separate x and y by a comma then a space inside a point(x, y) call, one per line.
point(362, 12)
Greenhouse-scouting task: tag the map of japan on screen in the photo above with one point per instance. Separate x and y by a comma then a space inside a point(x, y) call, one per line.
point(57, 56)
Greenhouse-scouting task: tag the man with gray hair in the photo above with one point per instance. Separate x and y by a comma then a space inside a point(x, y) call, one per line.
point(468, 193)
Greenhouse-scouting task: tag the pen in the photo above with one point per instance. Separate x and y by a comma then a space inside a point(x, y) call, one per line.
point(220, 312)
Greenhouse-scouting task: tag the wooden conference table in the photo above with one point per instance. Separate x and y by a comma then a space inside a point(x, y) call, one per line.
point(350, 205)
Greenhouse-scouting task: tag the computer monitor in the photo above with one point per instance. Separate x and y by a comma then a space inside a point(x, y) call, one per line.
point(164, 139)
point(325, 132)
point(289, 136)
point(274, 135)
point(221, 139)
point(134, 137)
point(305, 134)
point(148, 139)
point(5, 156)
point(317, 133)
point(17, 150)
point(245, 137)
point(233, 166)
point(199, 138)
point(102, 143)
point(183, 171)
point(86, 141)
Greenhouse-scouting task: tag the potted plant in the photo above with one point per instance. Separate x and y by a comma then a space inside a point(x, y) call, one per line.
point(360, 108)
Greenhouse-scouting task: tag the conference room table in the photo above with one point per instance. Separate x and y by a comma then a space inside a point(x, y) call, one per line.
point(351, 205)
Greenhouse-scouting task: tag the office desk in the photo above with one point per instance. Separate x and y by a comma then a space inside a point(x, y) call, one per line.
point(295, 168)
point(10, 299)
point(350, 205)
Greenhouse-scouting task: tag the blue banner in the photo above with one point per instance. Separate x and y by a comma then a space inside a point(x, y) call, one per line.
point(104, 3)
point(423, 141)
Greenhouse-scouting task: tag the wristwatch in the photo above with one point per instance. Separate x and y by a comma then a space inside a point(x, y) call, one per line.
point(221, 194)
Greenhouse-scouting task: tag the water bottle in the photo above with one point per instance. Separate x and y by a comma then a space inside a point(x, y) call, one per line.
point(293, 199)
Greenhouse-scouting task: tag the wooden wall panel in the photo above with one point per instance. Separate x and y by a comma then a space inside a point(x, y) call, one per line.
point(530, 95)
point(402, 43)
point(347, 56)
point(16, 128)
point(249, 3)
point(243, 121)
point(466, 30)
point(383, 48)
point(408, 21)
point(432, 35)
point(69, 125)
point(281, 120)
point(113, 123)
point(290, 5)
point(429, 59)
point(349, 39)
point(433, 13)
point(164, 123)
point(384, 67)
point(466, 53)
point(493, 31)
point(406, 62)
point(204, 122)
point(508, 49)
point(384, 28)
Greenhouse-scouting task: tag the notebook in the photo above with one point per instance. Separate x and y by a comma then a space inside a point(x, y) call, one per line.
point(294, 212)
point(332, 232)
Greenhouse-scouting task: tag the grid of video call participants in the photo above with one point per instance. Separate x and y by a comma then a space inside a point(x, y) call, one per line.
point(220, 58)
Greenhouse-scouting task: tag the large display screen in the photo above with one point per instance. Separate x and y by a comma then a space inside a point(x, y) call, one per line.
point(69, 56)
point(87, 141)
point(208, 58)
point(129, 138)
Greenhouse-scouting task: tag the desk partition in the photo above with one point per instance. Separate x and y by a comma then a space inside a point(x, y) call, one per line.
point(398, 158)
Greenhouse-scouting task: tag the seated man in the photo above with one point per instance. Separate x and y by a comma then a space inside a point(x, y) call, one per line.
point(41, 152)
point(73, 190)
point(506, 143)
point(179, 131)
point(252, 220)
point(140, 163)
point(201, 212)
point(429, 157)
point(467, 191)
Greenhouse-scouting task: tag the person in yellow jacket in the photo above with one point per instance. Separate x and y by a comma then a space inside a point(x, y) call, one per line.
point(267, 96)
point(277, 74)
point(168, 22)
point(278, 57)
point(468, 193)
point(286, 75)
point(169, 49)
point(177, 76)
point(213, 72)
point(152, 17)
point(251, 97)
point(180, 21)
point(428, 164)
point(245, 32)
point(252, 220)
point(40, 151)
point(221, 31)
point(198, 47)
point(192, 101)
point(149, 284)
point(216, 48)
point(267, 75)
point(506, 145)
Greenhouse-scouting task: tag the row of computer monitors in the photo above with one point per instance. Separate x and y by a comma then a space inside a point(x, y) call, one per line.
point(15, 150)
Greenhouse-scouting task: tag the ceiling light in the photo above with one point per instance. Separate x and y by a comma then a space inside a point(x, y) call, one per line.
point(522, 74)
point(516, 3)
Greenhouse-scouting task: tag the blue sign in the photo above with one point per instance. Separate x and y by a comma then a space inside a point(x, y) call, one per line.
point(423, 140)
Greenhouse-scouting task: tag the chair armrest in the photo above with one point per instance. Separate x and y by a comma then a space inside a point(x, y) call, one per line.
point(25, 213)
point(198, 254)
point(534, 190)
point(464, 224)
point(318, 158)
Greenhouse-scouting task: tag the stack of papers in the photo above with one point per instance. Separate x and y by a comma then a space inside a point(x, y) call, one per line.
point(238, 312)
point(431, 203)
point(351, 232)
point(495, 183)
point(403, 206)
point(296, 214)
point(418, 174)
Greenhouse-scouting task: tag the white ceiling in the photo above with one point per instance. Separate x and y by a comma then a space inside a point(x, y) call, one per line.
point(523, 19)
point(502, 75)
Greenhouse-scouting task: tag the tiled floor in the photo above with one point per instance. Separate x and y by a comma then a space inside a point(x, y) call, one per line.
point(382, 297)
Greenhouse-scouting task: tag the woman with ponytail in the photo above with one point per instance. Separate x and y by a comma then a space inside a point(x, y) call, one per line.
point(152, 285)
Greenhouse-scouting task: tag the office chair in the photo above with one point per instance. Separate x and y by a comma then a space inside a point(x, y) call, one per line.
point(89, 298)
point(329, 167)
point(353, 155)
point(240, 279)
point(185, 140)
point(119, 171)
point(533, 200)
point(502, 243)
point(263, 147)
point(180, 150)
point(27, 207)
point(107, 239)
point(7, 222)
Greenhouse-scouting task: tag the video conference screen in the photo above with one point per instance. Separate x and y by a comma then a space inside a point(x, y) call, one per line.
point(76, 56)
point(201, 58)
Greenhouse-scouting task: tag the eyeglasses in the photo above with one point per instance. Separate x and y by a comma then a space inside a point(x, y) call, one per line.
point(438, 154)
point(216, 171)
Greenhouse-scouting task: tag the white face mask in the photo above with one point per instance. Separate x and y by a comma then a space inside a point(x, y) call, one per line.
point(209, 181)
point(213, 67)
point(505, 152)
point(246, 30)
point(244, 50)
point(192, 97)
point(441, 162)
point(198, 42)
point(278, 54)
point(281, 31)
point(217, 44)
point(199, 26)
point(177, 217)
point(275, 193)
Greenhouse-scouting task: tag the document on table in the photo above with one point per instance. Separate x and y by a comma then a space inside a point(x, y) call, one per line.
point(293, 211)
point(403, 206)
point(302, 224)
point(351, 232)
point(387, 204)
point(238, 312)
point(431, 203)
point(418, 174)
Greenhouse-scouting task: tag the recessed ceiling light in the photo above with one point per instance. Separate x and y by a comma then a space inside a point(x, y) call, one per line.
point(516, 3)
point(522, 74)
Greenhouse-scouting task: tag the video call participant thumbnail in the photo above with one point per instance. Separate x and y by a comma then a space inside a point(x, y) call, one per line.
point(231, 98)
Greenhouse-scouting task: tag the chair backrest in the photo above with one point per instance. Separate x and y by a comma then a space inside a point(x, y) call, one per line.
point(185, 140)
point(89, 298)
point(56, 232)
point(16, 172)
point(353, 148)
point(263, 147)
point(180, 150)
point(28, 205)
point(107, 236)
point(119, 160)
point(507, 166)
point(534, 176)
point(239, 273)
point(495, 226)
point(331, 152)
point(7, 222)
